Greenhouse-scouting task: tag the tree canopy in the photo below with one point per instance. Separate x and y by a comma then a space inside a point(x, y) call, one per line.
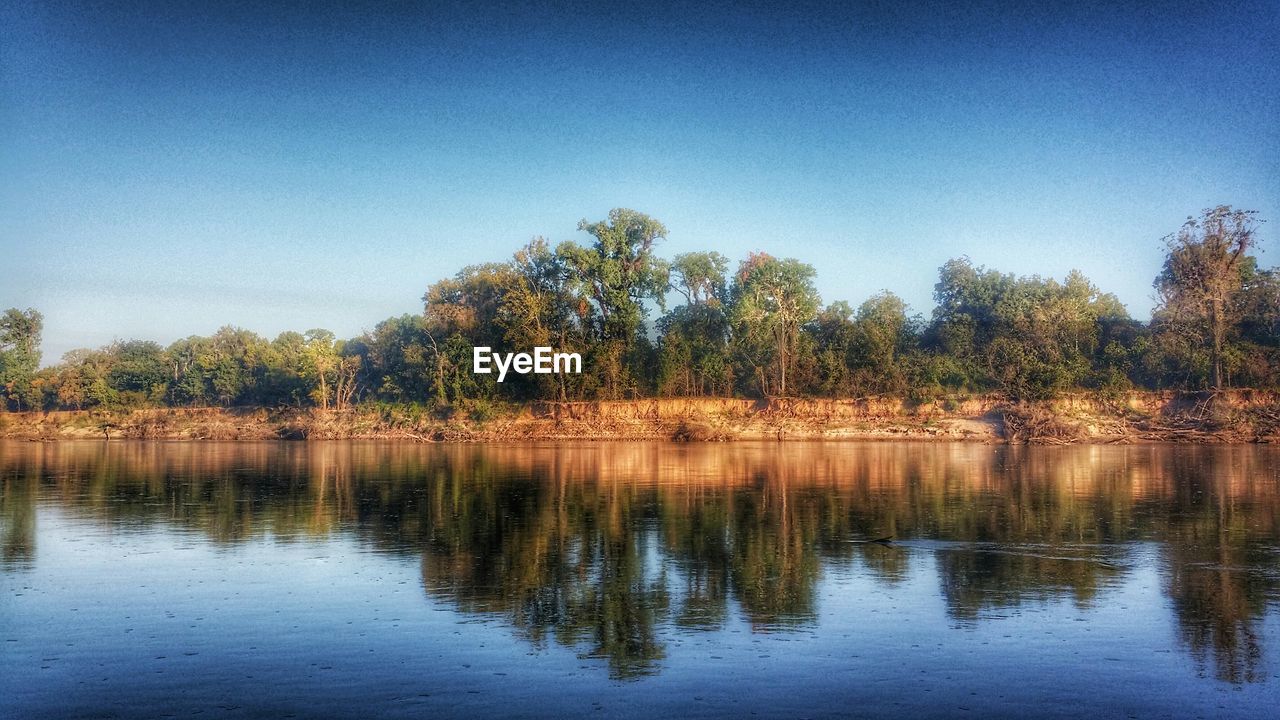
point(761, 331)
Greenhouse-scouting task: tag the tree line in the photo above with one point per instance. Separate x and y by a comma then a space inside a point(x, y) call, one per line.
point(694, 325)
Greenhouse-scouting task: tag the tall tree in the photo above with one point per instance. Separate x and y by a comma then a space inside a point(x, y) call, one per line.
point(139, 371)
point(700, 277)
point(882, 335)
point(693, 338)
point(772, 299)
point(398, 359)
point(543, 306)
point(1260, 328)
point(834, 335)
point(1203, 275)
point(19, 354)
point(462, 312)
point(618, 273)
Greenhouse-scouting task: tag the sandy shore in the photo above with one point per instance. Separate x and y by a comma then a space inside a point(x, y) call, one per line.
point(1228, 417)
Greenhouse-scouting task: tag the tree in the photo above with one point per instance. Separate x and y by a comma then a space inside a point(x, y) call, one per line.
point(231, 365)
point(86, 377)
point(1029, 336)
point(139, 371)
point(326, 371)
point(1260, 329)
point(832, 332)
point(1203, 275)
point(618, 273)
point(187, 384)
point(693, 338)
point(397, 359)
point(964, 320)
point(284, 373)
point(234, 366)
point(772, 299)
point(463, 312)
point(758, 331)
point(882, 335)
point(700, 277)
point(693, 352)
point(544, 306)
point(19, 354)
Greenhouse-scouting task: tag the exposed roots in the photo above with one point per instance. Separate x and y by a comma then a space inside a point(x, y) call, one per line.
point(1025, 423)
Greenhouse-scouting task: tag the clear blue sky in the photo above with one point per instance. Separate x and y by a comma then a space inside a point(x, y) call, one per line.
point(168, 169)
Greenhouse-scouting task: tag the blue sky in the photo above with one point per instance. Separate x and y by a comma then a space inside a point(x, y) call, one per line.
point(169, 169)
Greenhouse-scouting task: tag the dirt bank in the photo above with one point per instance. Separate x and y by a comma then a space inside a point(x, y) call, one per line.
point(1228, 417)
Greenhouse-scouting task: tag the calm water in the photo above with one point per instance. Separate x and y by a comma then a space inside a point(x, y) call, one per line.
point(605, 580)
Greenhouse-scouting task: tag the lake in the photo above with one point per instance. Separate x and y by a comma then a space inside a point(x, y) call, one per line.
point(350, 579)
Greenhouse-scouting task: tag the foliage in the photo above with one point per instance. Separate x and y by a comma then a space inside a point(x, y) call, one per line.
point(771, 300)
point(617, 274)
point(1202, 294)
point(19, 357)
point(1030, 336)
point(759, 332)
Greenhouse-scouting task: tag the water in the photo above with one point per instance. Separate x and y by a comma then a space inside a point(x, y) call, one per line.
point(637, 580)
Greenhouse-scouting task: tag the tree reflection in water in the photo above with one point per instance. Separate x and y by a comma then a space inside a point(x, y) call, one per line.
point(609, 548)
point(1221, 560)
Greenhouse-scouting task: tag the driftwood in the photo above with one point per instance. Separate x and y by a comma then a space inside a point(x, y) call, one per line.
point(1033, 424)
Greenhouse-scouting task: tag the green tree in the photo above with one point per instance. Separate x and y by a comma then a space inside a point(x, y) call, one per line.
point(1201, 282)
point(617, 274)
point(283, 374)
point(138, 372)
point(693, 342)
point(330, 371)
point(1029, 336)
point(87, 379)
point(833, 335)
point(1259, 329)
point(693, 356)
point(544, 306)
point(701, 277)
point(883, 334)
point(19, 355)
point(398, 359)
point(463, 312)
point(964, 319)
point(187, 384)
point(225, 368)
point(772, 299)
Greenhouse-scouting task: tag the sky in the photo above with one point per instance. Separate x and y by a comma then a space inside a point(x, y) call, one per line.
point(167, 169)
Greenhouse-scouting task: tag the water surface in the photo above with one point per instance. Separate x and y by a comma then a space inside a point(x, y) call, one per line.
point(637, 579)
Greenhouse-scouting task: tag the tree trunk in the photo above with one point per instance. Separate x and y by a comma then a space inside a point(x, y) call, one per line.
point(1215, 327)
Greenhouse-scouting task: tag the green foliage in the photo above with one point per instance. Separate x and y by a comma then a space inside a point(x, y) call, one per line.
point(1258, 331)
point(398, 359)
point(882, 336)
point(138, 368)
point(1028, 336)
point(771, 300)
point(700, 277)
point(617, 274)
point(693, 355)
point(758, 333)
point(19, 358)
point(1209, 291)
point(693, 350)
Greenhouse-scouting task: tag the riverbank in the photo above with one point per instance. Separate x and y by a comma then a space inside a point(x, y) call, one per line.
point(1229, 417)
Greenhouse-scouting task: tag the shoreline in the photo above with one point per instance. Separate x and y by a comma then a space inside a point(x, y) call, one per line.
point(1228, 417)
